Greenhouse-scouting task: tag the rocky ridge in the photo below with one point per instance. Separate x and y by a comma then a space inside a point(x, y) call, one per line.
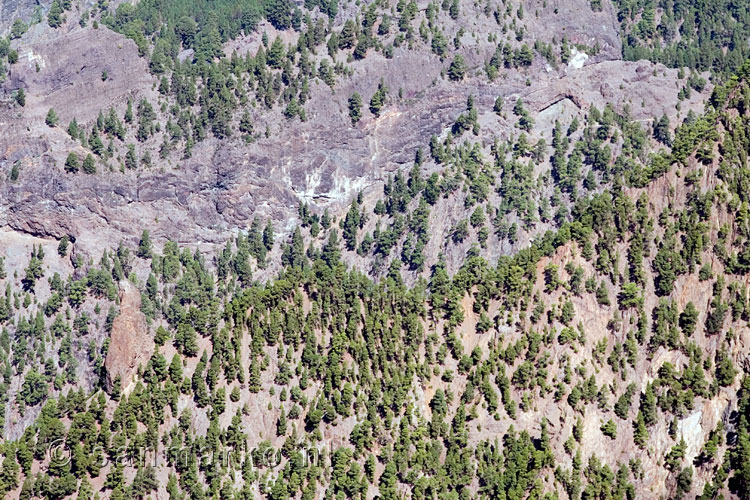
point(323, 161)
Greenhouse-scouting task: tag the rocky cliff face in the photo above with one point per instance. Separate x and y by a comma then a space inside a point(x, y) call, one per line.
point(131, 343)
point(363, 363)
point(27, 11)
point(324, 160)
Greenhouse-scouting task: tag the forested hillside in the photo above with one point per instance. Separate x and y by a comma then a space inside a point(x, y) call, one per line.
point(375, 250)
point(695, 34)
point(606, 360)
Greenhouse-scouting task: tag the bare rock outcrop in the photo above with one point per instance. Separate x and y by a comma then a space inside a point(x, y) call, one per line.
point(10, 10)
point(130, 343)
point(203, 200)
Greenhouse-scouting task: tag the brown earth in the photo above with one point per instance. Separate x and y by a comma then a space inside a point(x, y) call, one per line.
point(130, 345)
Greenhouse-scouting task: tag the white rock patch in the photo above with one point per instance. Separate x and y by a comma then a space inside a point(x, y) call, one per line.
point(577, 59)
point(691, 430)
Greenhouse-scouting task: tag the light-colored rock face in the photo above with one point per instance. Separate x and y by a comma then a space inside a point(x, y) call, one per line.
point(11, 10)
point(324, 161)
point(692, 432)
point(578, 59)
point(130, 345)
point(65, 73)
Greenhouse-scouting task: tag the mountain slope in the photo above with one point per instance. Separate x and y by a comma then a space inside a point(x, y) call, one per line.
point(362, 250)
point(605, 360)
point(182, 108)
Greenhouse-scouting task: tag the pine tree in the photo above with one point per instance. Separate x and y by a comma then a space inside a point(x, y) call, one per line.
point(71, 163)
point(292, 109)
point(279, 13)
point(254, 380)
point(144, 245)
point(116, 389)
point(640, 432)
point(378, 99)
point(55, 15)
point(281, 423)
point(348, 35)
point(661, 131)
point(674, 458)
point(268, 237)
point(14, 171)
point(246, 123)
point(89, 165)
point(175, 369)
point(276, 54)
point(129, 112)
point(73, 129)
point(161, 335)
point(18, 29)
point(131, 160)
point(351, 226)
point(51, 119)
point(609, 429)
point(648, 405)
point(21, 97)
point(457, 69)
point(355, 107)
